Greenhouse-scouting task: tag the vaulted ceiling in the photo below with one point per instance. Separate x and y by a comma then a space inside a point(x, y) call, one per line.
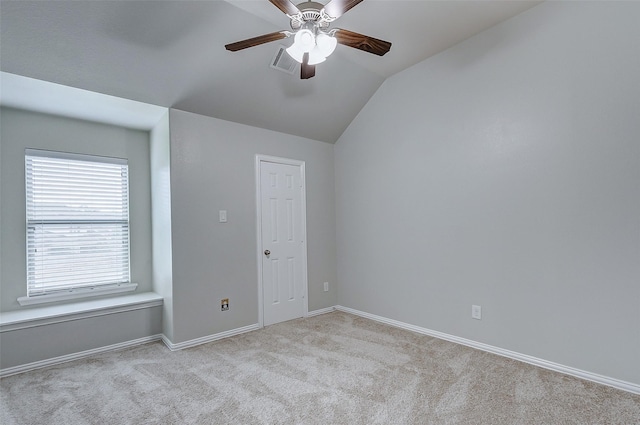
point(171, 54)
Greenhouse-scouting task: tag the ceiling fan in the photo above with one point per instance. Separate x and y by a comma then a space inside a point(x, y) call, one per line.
point(314, 41)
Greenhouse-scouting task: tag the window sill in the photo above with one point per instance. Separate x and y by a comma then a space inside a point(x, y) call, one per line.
point(78, 293)
point(46, 315)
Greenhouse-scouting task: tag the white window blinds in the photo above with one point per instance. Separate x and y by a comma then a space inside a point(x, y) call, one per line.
point(77, 221)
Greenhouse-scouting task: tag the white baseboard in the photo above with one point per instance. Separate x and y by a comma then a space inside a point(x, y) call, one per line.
point(75, 356)
point(556, 367)
point(320, 311)
point(208, 338)
point(173, 347)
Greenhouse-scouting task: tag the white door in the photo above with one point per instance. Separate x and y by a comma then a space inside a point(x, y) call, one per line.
point(283, 245)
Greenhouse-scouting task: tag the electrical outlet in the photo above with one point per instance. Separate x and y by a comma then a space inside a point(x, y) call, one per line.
point(224, 304)
point(476, 312)
point(326, 287)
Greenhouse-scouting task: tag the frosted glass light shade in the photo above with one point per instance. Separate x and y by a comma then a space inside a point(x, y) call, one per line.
point(316, 56)
point(305, 40)
point(326, 44)
point(295, 52)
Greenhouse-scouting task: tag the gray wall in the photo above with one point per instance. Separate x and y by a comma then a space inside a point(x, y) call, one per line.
point(505, 172)
point(212, 169)
point(22, 129)
point(33, 344)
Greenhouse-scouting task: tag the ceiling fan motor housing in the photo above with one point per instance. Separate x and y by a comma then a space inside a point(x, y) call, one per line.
point(310, 11)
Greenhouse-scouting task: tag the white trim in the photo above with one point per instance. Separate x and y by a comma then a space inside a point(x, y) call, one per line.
point(556, 367)
point(78, 293)
point(259, 241)
point(279, 160)
point(208, 338)
point(320, 311)
point(75, 356)
point(43, 316)
point(286, 161)
point(305, 277)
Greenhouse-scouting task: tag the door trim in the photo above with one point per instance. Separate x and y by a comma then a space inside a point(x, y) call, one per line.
point(305, 288)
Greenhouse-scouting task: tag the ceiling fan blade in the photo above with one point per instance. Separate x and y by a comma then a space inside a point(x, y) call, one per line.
point(256, 41)
point(362, 42)
point(306, 71)
point(337, 8)
point(286, 7)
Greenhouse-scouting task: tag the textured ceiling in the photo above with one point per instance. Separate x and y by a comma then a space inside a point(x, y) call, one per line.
point(171, 54)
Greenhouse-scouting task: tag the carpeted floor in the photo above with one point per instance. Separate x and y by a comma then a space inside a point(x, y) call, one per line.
point(329, 369)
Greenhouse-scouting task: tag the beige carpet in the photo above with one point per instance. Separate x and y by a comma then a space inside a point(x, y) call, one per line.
point(330, 369)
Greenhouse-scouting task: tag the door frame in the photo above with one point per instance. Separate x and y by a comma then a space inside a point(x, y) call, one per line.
point(305, 285)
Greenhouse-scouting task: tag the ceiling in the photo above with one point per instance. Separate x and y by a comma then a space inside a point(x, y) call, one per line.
point(171, 54)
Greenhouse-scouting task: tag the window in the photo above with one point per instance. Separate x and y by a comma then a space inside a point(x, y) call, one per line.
point(77, 222)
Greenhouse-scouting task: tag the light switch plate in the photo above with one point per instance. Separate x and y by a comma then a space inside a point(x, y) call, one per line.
point(223, 216)
point(476, 312)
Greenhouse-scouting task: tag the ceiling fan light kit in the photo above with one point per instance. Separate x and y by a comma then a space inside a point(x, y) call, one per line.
point(318, 45)
point(313, 41)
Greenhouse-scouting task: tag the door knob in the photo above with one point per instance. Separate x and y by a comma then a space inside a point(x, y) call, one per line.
point(267, 252)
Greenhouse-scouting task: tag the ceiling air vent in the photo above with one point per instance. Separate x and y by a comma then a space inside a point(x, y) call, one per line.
point(283, 62)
